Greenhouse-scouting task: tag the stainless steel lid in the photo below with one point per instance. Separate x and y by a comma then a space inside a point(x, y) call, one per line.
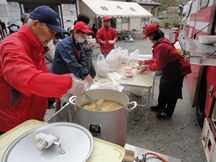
point(76, 141)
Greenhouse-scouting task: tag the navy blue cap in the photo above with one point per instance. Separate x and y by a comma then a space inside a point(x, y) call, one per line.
point(48, 16)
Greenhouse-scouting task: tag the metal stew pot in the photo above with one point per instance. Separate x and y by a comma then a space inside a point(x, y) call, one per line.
point(107, 125)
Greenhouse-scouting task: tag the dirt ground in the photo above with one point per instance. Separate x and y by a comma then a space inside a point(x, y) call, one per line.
point(179, 137)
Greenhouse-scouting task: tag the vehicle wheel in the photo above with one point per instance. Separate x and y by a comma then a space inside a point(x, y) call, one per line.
point(200, 107)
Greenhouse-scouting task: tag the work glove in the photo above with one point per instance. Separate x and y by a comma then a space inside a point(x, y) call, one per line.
point(141, 62)
point(88, 81)
point(78, 86)
point(144, 68)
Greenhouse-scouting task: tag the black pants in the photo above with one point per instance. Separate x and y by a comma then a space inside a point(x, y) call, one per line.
point(90, 66)
point(167, 103)
point(170, 87)
point(58, 106)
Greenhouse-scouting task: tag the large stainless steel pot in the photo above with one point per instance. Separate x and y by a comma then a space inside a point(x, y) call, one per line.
point(109, 125)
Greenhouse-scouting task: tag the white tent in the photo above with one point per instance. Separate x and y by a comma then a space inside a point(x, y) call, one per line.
point(117, 9)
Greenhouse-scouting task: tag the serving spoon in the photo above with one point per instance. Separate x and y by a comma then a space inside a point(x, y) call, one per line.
point(92, 101)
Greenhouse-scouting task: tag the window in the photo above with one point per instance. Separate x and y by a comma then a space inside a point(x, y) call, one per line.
point(204, 3)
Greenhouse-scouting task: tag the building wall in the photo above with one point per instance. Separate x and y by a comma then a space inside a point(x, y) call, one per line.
point(69, 14)
point(14, 12)
point(10, 11)
point(148, 8)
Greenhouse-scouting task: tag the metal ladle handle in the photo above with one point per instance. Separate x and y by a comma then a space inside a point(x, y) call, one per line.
point(90, 99)
point(98, 106)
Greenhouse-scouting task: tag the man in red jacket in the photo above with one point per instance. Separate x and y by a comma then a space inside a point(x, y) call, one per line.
point(106, 36)
point(25, 82)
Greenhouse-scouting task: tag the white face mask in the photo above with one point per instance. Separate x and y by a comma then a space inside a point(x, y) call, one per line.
point(14, 28)
point(80, 40)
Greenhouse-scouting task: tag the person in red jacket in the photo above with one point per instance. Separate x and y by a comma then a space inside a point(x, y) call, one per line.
point(165, 59)
point(106, 36)
point(25, 82)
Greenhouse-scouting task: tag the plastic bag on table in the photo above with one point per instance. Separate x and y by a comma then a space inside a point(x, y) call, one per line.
point(101, 66)
point(133, 57)
point(124, 59)
point(112, 61)
point(119, 54)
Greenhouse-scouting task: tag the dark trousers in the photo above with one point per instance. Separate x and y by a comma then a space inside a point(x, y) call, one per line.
point(167, 103)
point(58, 106)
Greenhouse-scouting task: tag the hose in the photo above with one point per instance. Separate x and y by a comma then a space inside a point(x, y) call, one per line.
point(151, 153)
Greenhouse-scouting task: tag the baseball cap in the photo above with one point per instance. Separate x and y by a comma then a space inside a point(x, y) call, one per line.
point(48, 16)
point(105, 18)
point(83, 27)
point(149, 29)
point(11, 22)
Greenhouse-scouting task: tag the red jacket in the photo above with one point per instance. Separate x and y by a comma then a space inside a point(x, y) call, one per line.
point(163, 54)
point(25, 82)
point(106, 34)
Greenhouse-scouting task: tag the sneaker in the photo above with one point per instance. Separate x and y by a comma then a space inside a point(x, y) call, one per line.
point(156, 108)
point(163, 115)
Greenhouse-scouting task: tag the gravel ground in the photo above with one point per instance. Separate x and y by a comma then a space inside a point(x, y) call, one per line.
point(179, 137)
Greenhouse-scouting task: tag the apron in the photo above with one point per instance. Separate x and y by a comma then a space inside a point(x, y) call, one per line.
point(171, 80)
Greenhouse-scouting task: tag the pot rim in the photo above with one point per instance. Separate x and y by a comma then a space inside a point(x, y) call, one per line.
point(108, 91)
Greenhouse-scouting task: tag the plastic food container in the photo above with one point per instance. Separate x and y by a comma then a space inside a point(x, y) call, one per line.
point(138, 69)
point(128, 71)
point(111, 41)
point(113, 84)
point(110, 87)
point(103, 83)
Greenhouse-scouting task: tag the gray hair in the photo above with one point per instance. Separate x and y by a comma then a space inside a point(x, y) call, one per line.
point(31, 20)
point(24, 17)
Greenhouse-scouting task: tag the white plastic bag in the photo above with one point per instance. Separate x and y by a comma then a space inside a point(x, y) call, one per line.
point(112, 61)
point(119, 54)
point(124, 59)
point(136, 90)
point(133, 57)
point(102, 66)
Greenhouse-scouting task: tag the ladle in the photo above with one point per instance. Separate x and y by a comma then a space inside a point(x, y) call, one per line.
point(92, 101)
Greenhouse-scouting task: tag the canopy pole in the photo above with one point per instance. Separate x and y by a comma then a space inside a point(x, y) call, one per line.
point(121, 23)
point(128, 23)
point(78, 7)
